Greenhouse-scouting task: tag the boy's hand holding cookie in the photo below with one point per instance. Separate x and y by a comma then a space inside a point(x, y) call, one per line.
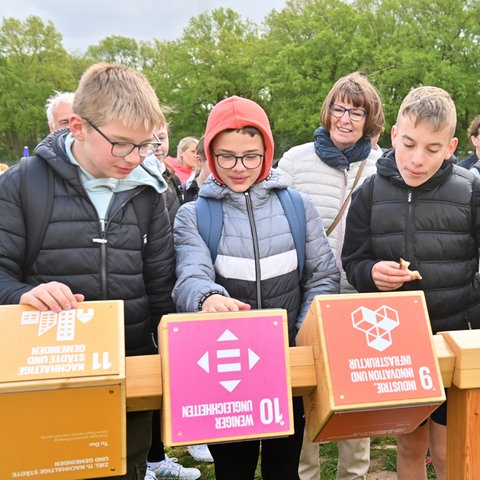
point(414, 274)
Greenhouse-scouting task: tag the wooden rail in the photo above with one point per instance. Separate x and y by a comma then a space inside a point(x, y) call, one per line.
point(144, 375)
point(458, 354)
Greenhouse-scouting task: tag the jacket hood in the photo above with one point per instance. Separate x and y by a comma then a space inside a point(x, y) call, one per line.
point(236, 113)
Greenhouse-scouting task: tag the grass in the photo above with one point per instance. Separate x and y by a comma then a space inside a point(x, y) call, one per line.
point(382, 458)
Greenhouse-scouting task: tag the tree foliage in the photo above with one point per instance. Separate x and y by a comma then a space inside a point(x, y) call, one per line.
point(33, 64)
point(287, 64)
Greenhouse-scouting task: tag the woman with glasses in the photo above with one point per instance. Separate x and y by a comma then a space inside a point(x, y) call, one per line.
point(328, 169)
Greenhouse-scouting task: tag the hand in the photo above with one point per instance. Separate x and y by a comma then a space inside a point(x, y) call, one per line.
point(219, 303)
point(53, 296)
point(387, 276)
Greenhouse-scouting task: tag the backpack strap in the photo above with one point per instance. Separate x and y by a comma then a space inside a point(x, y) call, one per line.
point(210, 222)
point(294, 209)
point(36, 195)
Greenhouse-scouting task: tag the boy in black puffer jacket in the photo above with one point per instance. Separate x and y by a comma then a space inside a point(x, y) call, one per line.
point(94, 247)
point(423, 208)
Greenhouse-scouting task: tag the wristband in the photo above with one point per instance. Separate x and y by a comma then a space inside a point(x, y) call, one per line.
point(209, 294)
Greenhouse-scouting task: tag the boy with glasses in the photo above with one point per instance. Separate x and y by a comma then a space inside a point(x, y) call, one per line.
point(256, 264)
point(94, 247)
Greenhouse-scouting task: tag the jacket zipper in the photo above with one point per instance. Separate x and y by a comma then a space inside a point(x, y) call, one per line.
point(256, 253)
point(103, 241)
point(409, 229)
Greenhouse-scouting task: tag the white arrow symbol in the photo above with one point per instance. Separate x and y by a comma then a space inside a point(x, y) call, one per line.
point(227, 336)
point(230, 385)
point(253, 358)
point(204, 362)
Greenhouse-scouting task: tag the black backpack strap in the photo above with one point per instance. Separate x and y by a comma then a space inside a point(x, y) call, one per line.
point(37, 202)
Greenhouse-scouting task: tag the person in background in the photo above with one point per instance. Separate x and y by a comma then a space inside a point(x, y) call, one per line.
point(99, 168)
point(423, 208)
point(375, 145)
point(239, 148)
point(3, 168)
point(327, 170)
point(186, 162)
point(159, 464)
point(201, 453)
point(59, 109)
point(474, 139)
point(174, 192)
point(192, 186)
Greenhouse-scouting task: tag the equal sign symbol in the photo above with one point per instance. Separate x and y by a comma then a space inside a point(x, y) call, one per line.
point(228, 361)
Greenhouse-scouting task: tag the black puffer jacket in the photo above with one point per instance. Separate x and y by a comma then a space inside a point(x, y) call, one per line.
point(433, 226)
point(116, 268)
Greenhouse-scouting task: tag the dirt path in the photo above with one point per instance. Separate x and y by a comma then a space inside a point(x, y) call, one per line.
point(382, 476)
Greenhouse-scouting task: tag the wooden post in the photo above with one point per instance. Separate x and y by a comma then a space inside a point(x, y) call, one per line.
point(463, 413)
point(463, 439)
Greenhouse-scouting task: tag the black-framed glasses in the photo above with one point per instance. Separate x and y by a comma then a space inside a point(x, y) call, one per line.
point(355, 114)
point(122, 149)
point(249, 160)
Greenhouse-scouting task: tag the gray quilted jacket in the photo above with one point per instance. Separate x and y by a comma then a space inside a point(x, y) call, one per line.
point(256, 259)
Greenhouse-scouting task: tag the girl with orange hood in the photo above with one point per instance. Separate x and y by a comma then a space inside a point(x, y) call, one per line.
point(256, 265)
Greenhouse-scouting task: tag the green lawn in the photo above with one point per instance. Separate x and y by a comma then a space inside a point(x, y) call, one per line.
point(383, 458)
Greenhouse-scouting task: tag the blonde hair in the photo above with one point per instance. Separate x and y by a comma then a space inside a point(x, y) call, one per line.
point(109, 92)
point(184, 143)
point(3, 167)
point(357, 90)
point(432, 105)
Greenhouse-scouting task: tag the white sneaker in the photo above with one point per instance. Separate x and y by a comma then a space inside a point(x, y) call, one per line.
point(150, 475)
point(170, 468)
point(200, 453)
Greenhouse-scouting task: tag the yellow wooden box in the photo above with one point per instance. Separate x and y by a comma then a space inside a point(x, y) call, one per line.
point(62, 392)
point(376, 370)
point(466, 346)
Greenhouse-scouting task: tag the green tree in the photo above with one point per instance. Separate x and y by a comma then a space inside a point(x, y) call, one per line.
point(33, 64)
point(212, 60)
point(425, 43)
point(287, 64)
point(116, 49)
point(306, 48)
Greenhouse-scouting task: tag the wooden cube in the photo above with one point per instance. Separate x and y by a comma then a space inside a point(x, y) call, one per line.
point(376, 370)
point(226, 376)
point(62, 392)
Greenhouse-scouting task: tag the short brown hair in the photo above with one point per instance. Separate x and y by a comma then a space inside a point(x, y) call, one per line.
point(432, 105)
point(109, 92)
point(357, 90)
point(474, 129)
